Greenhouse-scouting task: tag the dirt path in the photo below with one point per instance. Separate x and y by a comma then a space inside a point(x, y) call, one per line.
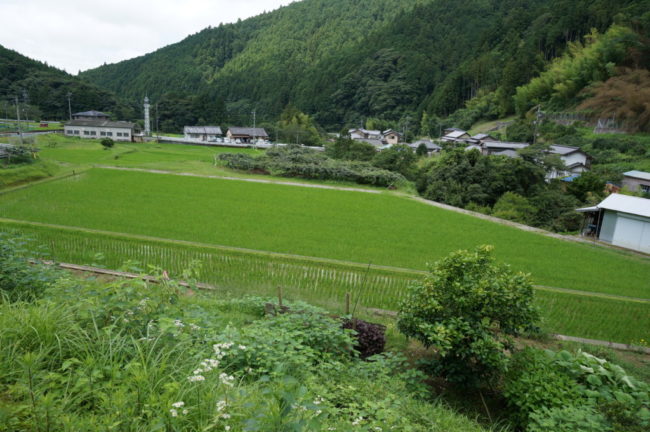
point(276, 182)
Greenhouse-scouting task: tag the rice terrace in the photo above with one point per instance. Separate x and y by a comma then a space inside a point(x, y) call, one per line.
point(316, 243)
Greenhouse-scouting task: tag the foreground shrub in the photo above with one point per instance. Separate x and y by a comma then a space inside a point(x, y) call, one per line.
point(467, 308)
point(370, 337)
point(295, 161)
point(20, 280)
point(565, 392)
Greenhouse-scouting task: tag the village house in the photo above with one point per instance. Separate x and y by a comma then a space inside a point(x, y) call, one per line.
point(361, 134)
point(99, 129)
point(620, 220)
point(575, 160)
point(202, 133)
point(456, 136)
point(637, 181)
point(246, 135)
point(431, 146)
point(391, 136)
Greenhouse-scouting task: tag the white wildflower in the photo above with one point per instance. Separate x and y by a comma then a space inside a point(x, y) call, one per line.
point(195, 378)
point(179, 323)
point(194, 327)
point(242, 347)
point(357, 421)
point(185, 411)
point(179, 404)
point(227, 379)
point(221, 405)
point(226, 427)
point(173, 412)
point(225, 416)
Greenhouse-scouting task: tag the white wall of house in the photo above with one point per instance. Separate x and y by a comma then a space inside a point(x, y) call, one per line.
point(93, 132)
point(201, 136)
point(626, 230)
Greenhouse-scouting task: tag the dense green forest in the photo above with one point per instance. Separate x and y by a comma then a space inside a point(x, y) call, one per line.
point(42, 91)
point(346, 61)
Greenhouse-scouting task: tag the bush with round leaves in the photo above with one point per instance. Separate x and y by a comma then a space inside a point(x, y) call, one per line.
point(467, 308)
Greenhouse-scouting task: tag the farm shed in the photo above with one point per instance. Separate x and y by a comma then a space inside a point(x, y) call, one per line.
point(620, 220)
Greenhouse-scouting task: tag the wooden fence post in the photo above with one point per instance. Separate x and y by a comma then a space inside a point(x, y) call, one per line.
point(347, 303)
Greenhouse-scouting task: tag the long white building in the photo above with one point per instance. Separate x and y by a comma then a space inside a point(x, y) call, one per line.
point(99, 129)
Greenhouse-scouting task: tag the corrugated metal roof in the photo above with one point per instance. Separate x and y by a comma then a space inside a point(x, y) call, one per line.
point(627, 204)
point(253, 132)
point(91, 114)
point(563, 150)
point(638, 174)
point(505, 145)
point(430, 145)
point(456, 134)
point(101, 123)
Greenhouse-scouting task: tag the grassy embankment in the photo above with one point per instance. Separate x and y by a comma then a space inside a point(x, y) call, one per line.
point(378, 228)
point(74, 154)
point(127, 355)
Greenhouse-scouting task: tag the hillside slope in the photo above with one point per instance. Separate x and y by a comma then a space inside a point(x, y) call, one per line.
point(43, 89)
point(344, 61)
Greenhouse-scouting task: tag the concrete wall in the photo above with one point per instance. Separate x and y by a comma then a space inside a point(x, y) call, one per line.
point(634, 184)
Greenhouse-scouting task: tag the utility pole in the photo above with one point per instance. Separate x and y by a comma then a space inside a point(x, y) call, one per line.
point(157, 133)
point(537, 117)
point(254, 112)
point(69, 105)
point(26, 102)
point(20, 132)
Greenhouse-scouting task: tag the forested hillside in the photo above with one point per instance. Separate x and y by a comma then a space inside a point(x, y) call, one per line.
point(344, 61)
point(42, 90)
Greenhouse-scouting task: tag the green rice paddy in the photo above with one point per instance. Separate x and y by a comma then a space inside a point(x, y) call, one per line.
point(382, 229)
point(315, 243)
point(322, 282)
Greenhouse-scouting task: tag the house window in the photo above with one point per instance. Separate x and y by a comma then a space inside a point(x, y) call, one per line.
point(68, 132)
point(119, 133)
point(645, 188)
point(126, 134)
point(76, 132)
point(102, 133)
point(109, 133)
point(86, 133)
point(93, 133)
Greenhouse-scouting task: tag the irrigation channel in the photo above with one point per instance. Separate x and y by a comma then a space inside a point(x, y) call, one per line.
point(320, 281)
